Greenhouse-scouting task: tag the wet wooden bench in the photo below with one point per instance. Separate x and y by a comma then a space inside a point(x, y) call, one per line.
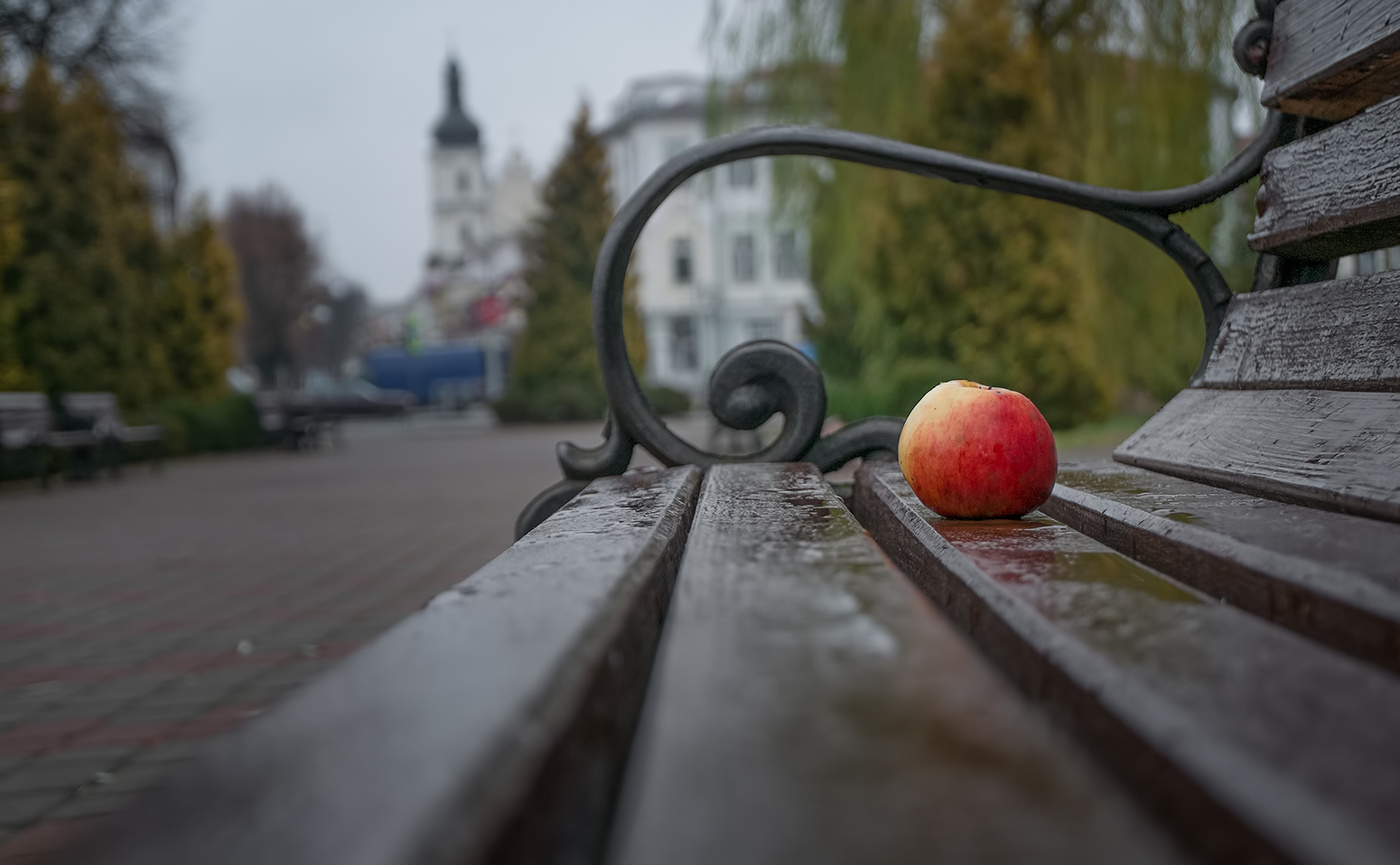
point(1190, 655)
point(28, 437)
point(24, 426)
point(112, 434)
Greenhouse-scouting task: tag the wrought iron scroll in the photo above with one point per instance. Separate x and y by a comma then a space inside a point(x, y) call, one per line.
point(756, 380)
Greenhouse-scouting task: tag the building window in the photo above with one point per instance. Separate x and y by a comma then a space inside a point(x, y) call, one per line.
point(685, 352)
point(763, 328)
point(743, 258)
point(786, 263)
point(463, 181)
point(742, 173)
point(681, 261)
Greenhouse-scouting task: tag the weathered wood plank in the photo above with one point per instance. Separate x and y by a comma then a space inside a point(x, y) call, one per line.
point(808, 705)
point(1331, 577)
point(1332, 58)
point(1328, 449)
point(491, 726)
point(1259, 745)
point(1333, 193)
point(1340, 335)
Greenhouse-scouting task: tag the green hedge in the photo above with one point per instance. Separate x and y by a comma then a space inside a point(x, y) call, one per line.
point(224, 423)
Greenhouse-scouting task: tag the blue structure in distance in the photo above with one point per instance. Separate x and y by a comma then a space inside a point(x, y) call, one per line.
point(454, 375)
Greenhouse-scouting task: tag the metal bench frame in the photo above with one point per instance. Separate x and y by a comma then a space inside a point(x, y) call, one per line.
point(755, 380)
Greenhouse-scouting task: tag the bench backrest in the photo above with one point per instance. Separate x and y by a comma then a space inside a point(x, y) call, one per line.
point(24, 418)
point(1330, 59)
point(100, 408)
point(1300, 399)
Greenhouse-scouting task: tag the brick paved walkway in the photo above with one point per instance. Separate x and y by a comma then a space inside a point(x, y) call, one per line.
point(140, 616)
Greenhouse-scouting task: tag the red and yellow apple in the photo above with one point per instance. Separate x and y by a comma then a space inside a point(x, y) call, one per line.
point(975, 452)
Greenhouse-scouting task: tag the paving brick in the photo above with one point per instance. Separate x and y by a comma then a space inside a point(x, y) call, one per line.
point(11, 715)
point(214, 722)
point(132, 685)
point(41, 777)
point(293, 674)
point(41, 692)
point(39, 843)
point(220, 680)
point(89, 805)
point(173, 752)
point(264, 694)
point(135, 777)
point(75, 711)
point(109, 755)
point(167, 712)
point(144, 734)
point(38, 738)
point(18, 809)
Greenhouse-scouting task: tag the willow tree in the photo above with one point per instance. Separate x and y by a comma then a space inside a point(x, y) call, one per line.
point(920, 280)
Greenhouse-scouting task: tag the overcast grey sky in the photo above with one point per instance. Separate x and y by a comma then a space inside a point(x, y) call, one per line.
point(333, 99)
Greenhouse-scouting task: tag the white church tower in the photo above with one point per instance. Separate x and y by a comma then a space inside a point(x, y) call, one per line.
point(461, 197)
point(472, 290)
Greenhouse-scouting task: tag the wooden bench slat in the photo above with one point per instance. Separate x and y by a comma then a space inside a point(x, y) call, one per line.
point(1328, 449)
point(1259, 745)
point(1329, 576)
point(808, 705)
point(1340, 335)
point(1333, 193)
point(1332, 58)
point(491, 726)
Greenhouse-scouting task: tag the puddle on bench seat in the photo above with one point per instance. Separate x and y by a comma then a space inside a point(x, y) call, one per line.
point(1360, 545)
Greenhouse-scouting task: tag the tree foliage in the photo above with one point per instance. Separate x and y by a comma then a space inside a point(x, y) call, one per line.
point(554, 370)
point(921, 281)
point(85, 280)
point(199, 308)
point(92, 297)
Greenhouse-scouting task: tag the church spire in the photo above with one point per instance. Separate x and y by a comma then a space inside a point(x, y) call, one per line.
point(455, 129)
point(454, 87)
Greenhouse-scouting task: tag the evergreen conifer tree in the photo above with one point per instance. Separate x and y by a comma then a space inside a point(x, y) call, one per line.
point(554, 369)
point(197, 308)
point(13, 375)
point(80, 292)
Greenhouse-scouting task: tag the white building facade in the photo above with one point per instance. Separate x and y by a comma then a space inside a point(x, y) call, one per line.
point(716, 267)
point(460, 199)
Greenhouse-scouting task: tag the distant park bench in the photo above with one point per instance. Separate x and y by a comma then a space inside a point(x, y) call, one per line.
point(29, 433)
point(294, 423)
point(1192, 653)
point(111, 432)
point(300, 418)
